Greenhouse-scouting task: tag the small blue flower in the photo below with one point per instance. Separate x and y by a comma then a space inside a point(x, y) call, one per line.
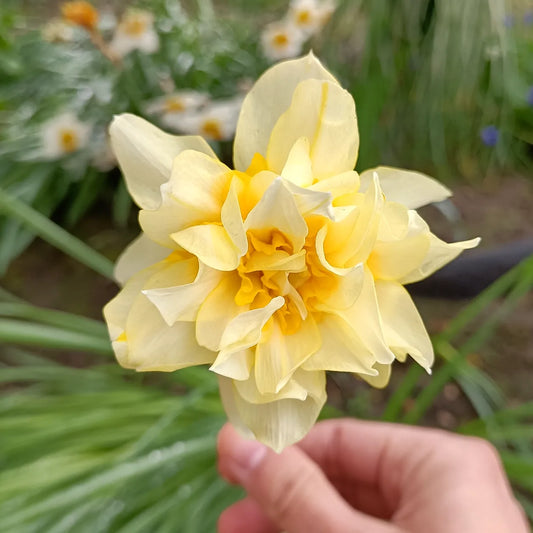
point(528, 18)
point(508, 21)
point(529, 97)
point(490, 135)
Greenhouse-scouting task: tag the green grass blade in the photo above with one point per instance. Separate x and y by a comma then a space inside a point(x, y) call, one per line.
point(54, 234)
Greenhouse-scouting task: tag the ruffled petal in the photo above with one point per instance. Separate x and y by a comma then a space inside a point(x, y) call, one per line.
point(145, 155)
point(211, 244)
point(381, 380)
point(402, 326)
point(341, 350)
point(153, 345)
point(350, 240)
point(271, 96)
point(324, 113)
point(278, 355)
point(244, 330)
point(298, 167)
point(140, 337)
point(365, 314)
point(412, 189)
point(140, 254)
point(217, 310)
point(182, 302)
point(277, 209)
point(280, 423)
point(439, 254)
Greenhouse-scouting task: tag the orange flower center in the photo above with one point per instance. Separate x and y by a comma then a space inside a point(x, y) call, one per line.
point(173, 104)
point(68, 140)
point(82, 14)
point(211, 129)
point(280, 40)
point(303, 17)
point(134, 25)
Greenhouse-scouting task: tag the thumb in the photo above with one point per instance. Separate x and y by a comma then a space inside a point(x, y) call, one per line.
point(290, 488)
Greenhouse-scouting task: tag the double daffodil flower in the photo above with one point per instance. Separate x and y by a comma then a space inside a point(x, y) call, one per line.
point(289, 266)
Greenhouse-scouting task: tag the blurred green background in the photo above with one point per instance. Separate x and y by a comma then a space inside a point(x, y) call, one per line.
point(441, 86)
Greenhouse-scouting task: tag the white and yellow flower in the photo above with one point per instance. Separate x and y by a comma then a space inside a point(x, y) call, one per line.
point(289, 266)
point(216, 121)
point(58, 31)
point(177, 103)
point(282, 40)
point(63, 135)
point(135, 31)
point(310, 16)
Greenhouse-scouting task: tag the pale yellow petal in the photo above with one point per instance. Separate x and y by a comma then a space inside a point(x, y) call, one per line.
point(277, 260)
point(350, 240)
point(244, 330)
point(170, 217)
point(406, 187)
point(341, 350)
point(278, 355)
point(277, 209)
point(270, 96)
point(405, 248)
point(341, 184)
point(153, 345)
point(232, 220)
point(182, 301)
point(402, 326)
point(277, 424)
point(201, 182)
point(234, 365)
point(324, 113)
point(211, 244)
point(140, 254)
point(298, 167)
point(381, 380)
point(116, 311)
point(310, 202)
point(365, 314)
point(145, 155)
point(439, 254)
point(218, 309)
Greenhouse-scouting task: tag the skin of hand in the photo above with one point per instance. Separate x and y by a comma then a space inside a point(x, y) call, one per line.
point(350, 476)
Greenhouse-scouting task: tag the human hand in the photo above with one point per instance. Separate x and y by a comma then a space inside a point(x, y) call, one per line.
point(349, 476)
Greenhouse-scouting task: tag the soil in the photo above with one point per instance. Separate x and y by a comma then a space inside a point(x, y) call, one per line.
point(497, 210)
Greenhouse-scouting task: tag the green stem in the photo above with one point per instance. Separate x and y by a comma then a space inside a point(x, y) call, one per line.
point(54, 234)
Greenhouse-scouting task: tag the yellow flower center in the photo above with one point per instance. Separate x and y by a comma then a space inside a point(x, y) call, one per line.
point(211, 128)
point(280, 40)
point(298, 277)
point(68, 140)
point(134, 26)
point(80, 13)
point(303, 17)
point(173, 104)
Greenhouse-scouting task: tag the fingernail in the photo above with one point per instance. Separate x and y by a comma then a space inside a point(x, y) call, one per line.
point(246, 455)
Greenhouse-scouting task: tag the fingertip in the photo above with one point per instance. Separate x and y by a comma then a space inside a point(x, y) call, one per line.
point(237, 456)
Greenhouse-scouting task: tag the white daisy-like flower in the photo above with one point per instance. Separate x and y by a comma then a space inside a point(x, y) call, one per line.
point(282, 40)
point(177, 102)
point(217, 121)
point(63, 135)
point(58, 31)
point(135, 31)
point(309, 16)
